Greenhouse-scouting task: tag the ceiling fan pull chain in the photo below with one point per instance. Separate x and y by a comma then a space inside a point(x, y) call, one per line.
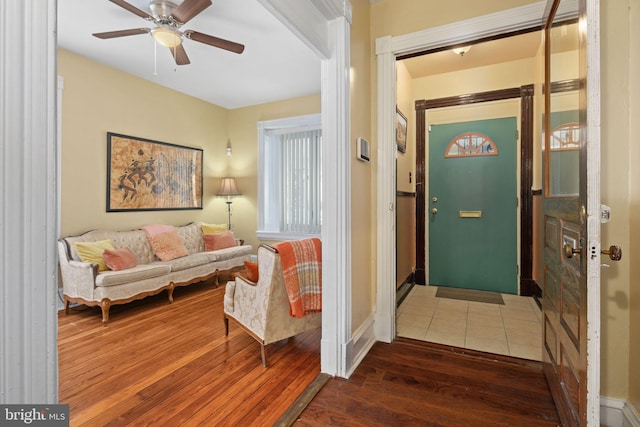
point(155, 58)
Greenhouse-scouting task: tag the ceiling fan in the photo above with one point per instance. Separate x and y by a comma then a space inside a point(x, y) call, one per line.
point(168, 18)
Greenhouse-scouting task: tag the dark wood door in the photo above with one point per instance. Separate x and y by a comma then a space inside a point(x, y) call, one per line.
point(571, 223)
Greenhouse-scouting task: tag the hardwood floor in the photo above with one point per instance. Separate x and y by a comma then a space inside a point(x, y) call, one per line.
point(161, 364)
point(411, 383)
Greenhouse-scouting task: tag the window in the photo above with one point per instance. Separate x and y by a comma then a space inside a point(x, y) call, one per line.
point(566, 137)
point(471, 144)
point(289, 178)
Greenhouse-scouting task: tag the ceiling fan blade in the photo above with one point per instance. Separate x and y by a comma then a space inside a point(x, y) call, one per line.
point(131, 8)
point(188, 9)
point(121, 33)
point(180, 55)
point(214, 41)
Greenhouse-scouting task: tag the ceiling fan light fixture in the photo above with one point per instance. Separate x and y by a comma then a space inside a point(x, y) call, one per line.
point(166, 36)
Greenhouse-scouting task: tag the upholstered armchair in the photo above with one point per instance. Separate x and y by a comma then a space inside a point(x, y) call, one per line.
point(262, 308)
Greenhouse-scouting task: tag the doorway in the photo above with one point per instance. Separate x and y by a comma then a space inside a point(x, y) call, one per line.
point(513, 327)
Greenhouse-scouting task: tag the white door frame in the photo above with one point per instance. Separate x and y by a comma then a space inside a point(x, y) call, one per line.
point(387, 49)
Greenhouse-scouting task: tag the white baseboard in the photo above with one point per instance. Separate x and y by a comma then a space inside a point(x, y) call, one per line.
point(630, 416)
point(360, 344)
point(617, 413)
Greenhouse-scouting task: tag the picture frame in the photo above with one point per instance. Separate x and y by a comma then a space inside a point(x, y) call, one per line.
point(148, 175)
point(401, 131)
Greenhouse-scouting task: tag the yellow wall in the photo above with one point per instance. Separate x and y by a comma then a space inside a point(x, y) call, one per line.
point(491, 77)
point(634, 205)
point(362, 174)
point(395, 17)
point(121, 103)
point(405, 16)
point(243, 164)
point(97, 99)
point(615, 186)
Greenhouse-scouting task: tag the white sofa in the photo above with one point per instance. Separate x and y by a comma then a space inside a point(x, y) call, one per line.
point(84, 284)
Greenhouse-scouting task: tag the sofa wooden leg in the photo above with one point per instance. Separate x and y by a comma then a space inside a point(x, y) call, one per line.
point(66, 305)
point(226, 326)
point(216, 279)
point(105, 305)
point(170, 292)
point(263, 353)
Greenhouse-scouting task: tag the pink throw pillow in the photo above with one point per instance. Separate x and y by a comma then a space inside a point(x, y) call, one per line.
point(168, 246)
point(213, 242)
point(119, 259)
point(153, 229)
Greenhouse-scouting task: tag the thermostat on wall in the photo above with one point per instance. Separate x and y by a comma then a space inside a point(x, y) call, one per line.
point(362, 149)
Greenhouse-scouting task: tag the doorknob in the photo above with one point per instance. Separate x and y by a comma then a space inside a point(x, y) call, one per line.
point(570, 250)
point(614, 252)
point(434, 211)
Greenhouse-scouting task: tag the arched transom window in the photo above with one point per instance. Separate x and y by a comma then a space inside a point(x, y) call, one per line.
point(566, 137)
point(471, 144)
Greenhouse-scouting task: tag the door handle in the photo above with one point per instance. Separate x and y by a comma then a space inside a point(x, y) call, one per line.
point(570, 250)
point(614, 252)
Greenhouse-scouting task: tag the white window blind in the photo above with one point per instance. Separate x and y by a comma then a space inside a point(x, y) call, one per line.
point(290, 189)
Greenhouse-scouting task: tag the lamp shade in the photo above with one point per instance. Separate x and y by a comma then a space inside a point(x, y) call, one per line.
point(228, 188)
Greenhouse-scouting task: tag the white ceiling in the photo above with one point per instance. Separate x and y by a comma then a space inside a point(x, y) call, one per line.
point(275, 64)
point(482, 54)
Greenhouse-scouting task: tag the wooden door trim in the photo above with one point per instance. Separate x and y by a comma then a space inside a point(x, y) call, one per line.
point(528, 286)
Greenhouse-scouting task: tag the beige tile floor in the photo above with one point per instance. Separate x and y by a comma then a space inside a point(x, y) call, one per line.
point(513, 329)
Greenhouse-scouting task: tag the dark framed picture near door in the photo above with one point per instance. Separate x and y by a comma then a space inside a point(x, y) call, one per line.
point(401, 131)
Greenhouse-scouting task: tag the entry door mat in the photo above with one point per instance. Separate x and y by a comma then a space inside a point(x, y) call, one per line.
point(470, 295)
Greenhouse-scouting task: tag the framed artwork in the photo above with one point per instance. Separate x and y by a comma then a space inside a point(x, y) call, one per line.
point(146, 175)
point(401, 131)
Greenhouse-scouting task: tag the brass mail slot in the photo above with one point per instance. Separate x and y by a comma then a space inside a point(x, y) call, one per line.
point(470, 214)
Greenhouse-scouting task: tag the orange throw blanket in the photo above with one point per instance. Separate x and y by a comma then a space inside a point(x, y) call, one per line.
point(302, 267)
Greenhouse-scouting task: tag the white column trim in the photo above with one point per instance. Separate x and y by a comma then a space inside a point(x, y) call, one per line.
point(324, 25)
point(593, 210)
point(336, 203)
point(305, 20)
point(28, 203)
point(385, 324)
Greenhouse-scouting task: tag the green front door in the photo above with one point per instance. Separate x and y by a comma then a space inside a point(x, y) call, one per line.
point(472, 205)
